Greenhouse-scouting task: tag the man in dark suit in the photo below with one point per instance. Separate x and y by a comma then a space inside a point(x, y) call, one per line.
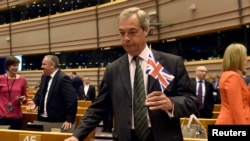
point(76, 82)
point(163, 108)
point(207, 103)
point(215, 82)
point(87, 91)
point(55, 99)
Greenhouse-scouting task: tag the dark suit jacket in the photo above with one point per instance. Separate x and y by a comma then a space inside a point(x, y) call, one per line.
point(247, 79)
point(217, 99)
point(62, 100)
point(116, 95)
point(77, 82)
point(90, 94)
point(208, 105)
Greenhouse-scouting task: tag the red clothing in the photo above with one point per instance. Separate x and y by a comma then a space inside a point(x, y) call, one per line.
point(18, 89)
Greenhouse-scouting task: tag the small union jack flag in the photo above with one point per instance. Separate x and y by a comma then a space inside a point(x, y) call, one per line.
point(156, 70)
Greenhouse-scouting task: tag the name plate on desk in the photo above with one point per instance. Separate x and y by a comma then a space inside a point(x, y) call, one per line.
point(29, 137)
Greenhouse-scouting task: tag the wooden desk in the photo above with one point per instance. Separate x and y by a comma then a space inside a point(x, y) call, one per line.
point(215, 114)
point(81, 110)
point(14, 135)
point(31, 116)
point(217, 107)
point(84, 103)
point(28, 117)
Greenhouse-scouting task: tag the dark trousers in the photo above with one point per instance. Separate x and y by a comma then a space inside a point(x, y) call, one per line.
point(135, 138)
point(108, 123)
point(15, 123)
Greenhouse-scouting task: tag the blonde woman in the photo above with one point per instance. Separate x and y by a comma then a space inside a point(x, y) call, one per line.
point(235, 96)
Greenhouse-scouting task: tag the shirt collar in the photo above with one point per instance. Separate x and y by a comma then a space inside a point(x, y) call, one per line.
point(197, 80)
point(53, 73)
point(144, 54)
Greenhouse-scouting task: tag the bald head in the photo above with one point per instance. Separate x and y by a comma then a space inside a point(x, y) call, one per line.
point(200, 72)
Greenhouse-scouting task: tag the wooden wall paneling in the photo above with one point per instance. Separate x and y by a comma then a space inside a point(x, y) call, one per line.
point(245, 12)
point(3, 5)
point(4, 40)
point(96, 74)
point(213, 66)
point(187, 22)
point(19, 2)
point(30, 37)
point(74, 31)
point(32, 77)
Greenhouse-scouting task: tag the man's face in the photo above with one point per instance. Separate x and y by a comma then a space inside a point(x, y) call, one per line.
point(201, 72)
point(86, 81)
point(133, 36)
point(47, 66)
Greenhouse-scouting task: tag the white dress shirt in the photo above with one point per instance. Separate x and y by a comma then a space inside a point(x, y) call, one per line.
point(46, 95)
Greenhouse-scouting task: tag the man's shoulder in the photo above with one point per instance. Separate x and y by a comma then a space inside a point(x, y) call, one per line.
point(165, 54)
point(118, 61)
point(61, 75)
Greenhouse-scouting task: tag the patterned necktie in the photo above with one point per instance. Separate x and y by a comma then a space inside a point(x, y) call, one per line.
point(199, 96)
point(140, 111)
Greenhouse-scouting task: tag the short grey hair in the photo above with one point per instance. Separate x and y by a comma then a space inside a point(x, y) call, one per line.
point(141, 14)
point(53, 59)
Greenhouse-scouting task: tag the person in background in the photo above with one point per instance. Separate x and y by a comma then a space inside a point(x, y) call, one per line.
point(13, 93)
point(56, 98)
point(206, 103)
point(76, 82)
point(245, 77)
point(163, 106)
point(87, 91)
point(235, 96)
point(215, 82)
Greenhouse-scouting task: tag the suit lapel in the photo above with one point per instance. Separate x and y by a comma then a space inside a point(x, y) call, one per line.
point(43, 82)
point(52, 86)
point(152, 82)
point(125, 74)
